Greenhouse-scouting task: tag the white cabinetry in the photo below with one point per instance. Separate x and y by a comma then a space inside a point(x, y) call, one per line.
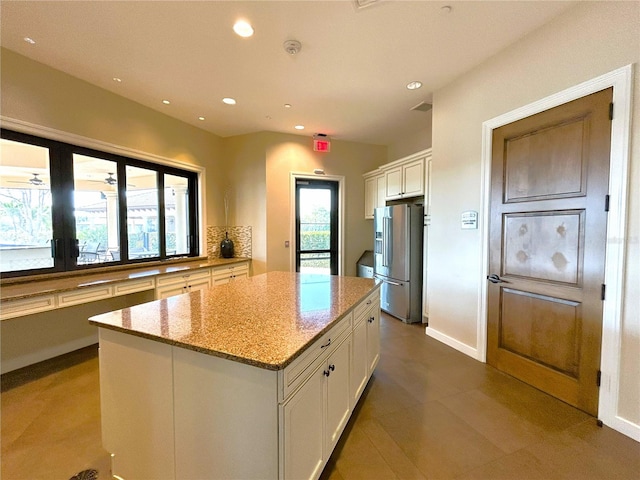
point(405, 179)
point(315, 414)
point(229, 273)
point(374, 192)
point(365, 351)
point(176, 284)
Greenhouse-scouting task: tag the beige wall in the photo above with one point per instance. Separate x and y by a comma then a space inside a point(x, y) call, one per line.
point(587, 41)
point(40, 95)
point(260, 166)
point(414, 141)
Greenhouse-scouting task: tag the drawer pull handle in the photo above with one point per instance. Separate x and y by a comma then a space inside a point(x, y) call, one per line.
point(326, 344)
point(326, 373)
point(371, 319)
point(368, 302)
point(332, 367)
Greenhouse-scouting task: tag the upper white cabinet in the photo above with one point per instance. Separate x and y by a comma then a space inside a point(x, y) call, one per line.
point(374, 192)
point(404, 178)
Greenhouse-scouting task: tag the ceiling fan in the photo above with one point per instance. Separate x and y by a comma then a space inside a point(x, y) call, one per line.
point(110, 179)
point(37, 181)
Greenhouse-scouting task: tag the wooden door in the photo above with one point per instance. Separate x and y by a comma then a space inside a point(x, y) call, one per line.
point(549, 187)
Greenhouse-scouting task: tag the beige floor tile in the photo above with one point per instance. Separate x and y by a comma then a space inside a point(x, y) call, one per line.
point(438, 442)
point(505, 429)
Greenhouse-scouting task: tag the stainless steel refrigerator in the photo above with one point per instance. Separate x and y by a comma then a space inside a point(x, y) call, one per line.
point(398, 260)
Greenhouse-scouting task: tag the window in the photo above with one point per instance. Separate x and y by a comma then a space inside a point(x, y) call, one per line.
point(65, 208)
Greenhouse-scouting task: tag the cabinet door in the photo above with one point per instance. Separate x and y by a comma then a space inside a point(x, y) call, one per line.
point(380, 191)
point(413, 178)
point(338, 396)
point(303, 427)
point(370, 193)
point(359, 361)
point(373, 338)
point(199, 284)
point(393, 183)
point(171, 290)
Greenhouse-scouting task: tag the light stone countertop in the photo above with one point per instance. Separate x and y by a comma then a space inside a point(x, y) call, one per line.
point(56, 283)
point(265, 321)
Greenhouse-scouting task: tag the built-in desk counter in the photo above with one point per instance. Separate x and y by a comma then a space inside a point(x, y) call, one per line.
point(25, 297)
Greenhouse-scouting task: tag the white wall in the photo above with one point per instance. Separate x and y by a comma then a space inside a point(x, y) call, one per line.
point(585, 42)
point(414, 141)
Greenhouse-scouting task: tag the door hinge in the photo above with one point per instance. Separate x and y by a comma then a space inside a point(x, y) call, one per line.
point(611, 111)
point(599, 378)
point(603, 291)
point(607, 200)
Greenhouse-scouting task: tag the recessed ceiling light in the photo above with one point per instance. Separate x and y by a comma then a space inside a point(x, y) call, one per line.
point(117, 80)
point(229, 101)
point(200, 118)
point(299, 127)
point(29, 40)
point(243, 28)
point(166, 102)
point(414, 85)
point(287, 105)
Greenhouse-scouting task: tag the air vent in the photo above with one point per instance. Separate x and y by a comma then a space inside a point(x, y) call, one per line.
point(422, 107)
point(359, 4)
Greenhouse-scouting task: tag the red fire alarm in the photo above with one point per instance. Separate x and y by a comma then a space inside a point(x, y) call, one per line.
point(321, 143)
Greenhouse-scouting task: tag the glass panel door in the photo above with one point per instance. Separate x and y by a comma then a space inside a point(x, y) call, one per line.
point(317, 226)
point(142, 213)
point(176, 215)
point(26, 225)
point(95, 199)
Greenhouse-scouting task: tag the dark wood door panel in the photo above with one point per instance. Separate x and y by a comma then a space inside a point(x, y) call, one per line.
point(558, 169)
point(547, 240)
point(543, 329)
point(543, 245)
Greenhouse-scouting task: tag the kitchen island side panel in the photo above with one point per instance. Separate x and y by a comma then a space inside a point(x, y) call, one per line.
point(226, 418)
point(136, 396)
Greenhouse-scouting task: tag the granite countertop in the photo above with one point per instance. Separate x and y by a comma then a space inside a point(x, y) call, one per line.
point(56, 283)
point(265, 321)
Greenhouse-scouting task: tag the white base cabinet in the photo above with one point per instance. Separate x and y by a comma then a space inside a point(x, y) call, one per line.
point(226, 274)
point(173, 413)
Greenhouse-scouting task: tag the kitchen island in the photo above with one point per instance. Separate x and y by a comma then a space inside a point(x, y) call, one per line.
point(252, 379)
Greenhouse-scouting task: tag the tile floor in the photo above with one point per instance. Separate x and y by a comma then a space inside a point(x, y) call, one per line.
point(428, 412)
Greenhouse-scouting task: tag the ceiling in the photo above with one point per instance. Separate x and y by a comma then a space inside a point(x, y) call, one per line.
point(348, 81)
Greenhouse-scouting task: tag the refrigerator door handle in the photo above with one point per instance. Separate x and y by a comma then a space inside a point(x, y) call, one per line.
point(389, 281)
point(386, 240)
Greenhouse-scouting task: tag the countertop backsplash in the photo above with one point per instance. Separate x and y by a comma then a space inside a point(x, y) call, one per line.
point(241, 237)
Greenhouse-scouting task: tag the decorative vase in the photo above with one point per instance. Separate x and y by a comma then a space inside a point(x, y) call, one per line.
point(226, 246)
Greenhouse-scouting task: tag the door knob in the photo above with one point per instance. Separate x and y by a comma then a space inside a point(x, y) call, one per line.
point(493, 278)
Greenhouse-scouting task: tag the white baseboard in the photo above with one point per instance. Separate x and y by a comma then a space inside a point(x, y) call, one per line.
point(631, 430)
point(453, 343)
point(47, 353)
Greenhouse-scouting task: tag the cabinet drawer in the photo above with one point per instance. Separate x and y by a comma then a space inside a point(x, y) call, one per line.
point(228, 270)
point(296, 373)
point(359, 313)
point(84, 295)
point(26, 306)
point(182, 277)
point(133, 286)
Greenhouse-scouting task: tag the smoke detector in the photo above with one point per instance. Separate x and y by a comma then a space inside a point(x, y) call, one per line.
point(292, 47)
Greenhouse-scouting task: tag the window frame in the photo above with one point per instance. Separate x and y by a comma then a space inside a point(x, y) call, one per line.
point(61, 156)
